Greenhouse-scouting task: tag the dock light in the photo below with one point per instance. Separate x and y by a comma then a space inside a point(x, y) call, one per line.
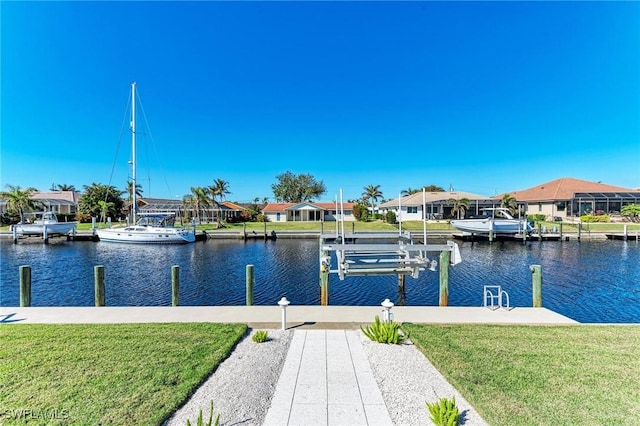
point(283, 304)
point(387, 316)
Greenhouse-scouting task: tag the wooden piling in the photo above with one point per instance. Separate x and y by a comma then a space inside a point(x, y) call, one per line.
point(579, 230)
point(25, 286)
point(98, 280)
point(490, 231)
point(445, 257)
point(249, 284)
point(175, 285)
point(536, 281)
point(560, 231)
point(401, 283)
point(324, 278)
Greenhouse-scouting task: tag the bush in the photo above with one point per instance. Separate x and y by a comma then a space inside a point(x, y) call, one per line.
point(444, 412)
point(589, 218)
point(361, 212)
point(83, 217)
point(260, 336)
point(385, 332)
point(538, 217)
point(391, 217)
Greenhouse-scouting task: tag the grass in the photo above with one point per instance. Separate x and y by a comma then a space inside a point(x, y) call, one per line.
point(107, 374)
point(540, 375)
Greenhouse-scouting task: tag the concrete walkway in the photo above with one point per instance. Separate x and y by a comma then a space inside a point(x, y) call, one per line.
point(298, 316)
point(327, 381)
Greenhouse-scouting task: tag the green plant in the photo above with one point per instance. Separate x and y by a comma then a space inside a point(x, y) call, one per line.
point(385, 332)
point(211, 421)
point(391, 217)
point(260, 336)
point(444, 412)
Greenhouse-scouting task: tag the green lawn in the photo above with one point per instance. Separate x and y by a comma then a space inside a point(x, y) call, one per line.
point(540, 375)
point(136, 374)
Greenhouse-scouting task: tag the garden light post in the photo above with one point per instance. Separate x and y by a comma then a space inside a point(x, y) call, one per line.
point(283, 304)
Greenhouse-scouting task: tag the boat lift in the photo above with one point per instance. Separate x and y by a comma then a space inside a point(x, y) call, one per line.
point(380, 253)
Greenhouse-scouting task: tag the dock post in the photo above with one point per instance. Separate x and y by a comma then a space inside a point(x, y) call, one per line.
point(175, 285)
point(560, 231)
point(93, 226)
point(539, 231)
point(579, 230)
point(537, 285)
point(445, 257)
point(98, 280)
point(324, 278)
point(626, 235)
point(249, 284)
point(490, 230)
point(401, 283)
point(45, 234)
point(244, 231)
point(25, 286)
point(15, 234)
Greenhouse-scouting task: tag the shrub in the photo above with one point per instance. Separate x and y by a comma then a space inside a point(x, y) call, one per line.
point(391, 217)
point(200, 421)
point(361, 212)
point(589, 218)
point(260, 336)
point(385, 332)
point(538, 217)
point(444, 412)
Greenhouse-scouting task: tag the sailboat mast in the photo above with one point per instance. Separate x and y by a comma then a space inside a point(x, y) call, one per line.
point(134, 201)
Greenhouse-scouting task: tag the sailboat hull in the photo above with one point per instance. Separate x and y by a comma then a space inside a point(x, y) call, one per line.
point(146, 235)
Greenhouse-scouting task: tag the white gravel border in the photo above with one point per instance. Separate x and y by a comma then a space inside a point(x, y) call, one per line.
point(243, 385)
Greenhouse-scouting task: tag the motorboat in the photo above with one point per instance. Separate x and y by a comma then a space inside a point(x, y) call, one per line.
point(151, 228)
point(43, 223)
point(497, 220)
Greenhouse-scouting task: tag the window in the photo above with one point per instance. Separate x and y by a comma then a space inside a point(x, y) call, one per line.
point(413, 209)
point(561, 206)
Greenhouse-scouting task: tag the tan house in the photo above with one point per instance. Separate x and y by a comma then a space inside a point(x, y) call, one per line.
point(306, 212)
point(567, 197)
point(59, 202)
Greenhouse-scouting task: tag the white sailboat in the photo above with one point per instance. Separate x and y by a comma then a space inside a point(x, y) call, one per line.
point(500, 222)
point(156, 228)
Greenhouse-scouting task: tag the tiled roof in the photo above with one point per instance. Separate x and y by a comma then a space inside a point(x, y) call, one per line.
point(562, 189)
point(68, 196)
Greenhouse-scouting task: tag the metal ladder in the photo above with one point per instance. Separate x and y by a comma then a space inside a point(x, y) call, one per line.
point(493, 297)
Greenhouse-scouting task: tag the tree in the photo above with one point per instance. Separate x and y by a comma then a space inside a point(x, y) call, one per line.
point(106, 209)
point(408, 191)
point(509, 203)
point(428, 188)
point(361, 212)
point(199, 200)
point(297, 188)
point(130, 191)
point(460, 206)
point(371, 195)
point(93, 194)
point(219, 191)
point(64, 187)
point(19, 200)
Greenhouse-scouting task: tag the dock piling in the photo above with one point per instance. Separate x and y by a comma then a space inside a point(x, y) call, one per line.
point(324, 277)
point(249, 280)
point(445, 258)
point(536, 281)
point(98, 280)
point(25, 286)
point(175, 285)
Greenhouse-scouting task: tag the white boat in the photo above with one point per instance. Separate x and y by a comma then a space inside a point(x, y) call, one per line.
point(151, 228)
point(155, 228)
point(45, 223)
point(498, 220)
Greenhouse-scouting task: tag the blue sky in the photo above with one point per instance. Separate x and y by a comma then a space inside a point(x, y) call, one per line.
point(487, 97)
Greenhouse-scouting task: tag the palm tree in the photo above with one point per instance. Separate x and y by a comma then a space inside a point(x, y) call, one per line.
point(18, 199)
point(510, 203)
point(460, 206)
point(106, 209)
point(219, 190)
point(130, 190)
point(372, 193)
point(409, 191)
point(64, 187)
point(199, 200)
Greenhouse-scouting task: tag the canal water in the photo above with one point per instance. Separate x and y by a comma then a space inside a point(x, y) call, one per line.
point(589, 281)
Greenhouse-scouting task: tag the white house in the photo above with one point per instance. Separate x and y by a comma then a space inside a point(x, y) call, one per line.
point(306, 212)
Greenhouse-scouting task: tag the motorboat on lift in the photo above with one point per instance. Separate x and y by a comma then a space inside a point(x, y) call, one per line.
point(43, 223)
point(497, 220)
